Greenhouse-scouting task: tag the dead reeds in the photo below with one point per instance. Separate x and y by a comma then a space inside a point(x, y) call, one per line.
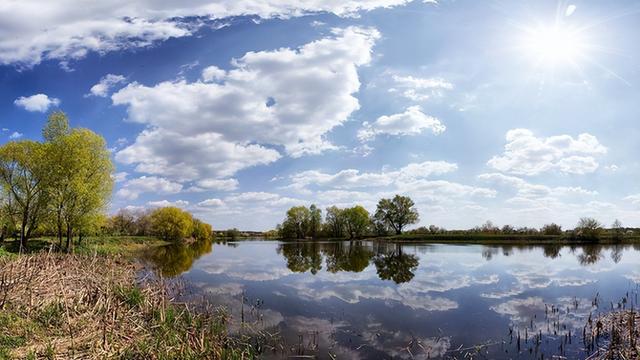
point(69, 306)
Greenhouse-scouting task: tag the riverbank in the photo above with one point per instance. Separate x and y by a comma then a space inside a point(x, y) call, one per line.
point(57, 305)
point(499, 239)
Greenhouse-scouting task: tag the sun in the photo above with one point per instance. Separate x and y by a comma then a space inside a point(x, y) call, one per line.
point(554, 45)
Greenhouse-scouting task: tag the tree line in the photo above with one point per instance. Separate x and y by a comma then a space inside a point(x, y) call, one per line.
point(167, 223)
point(391, 217)
point(587, 229)
point(59, 186)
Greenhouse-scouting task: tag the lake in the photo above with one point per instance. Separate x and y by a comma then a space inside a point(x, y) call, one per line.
point(374, 300)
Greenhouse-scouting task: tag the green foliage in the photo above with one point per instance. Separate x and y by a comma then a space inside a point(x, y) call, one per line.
point(551, 229)
point(57, 126)
point(335, 222)
point(396, 213)
point(171, 223)
point(301, 222)
point(201, 230)
point(356, 221)
point(63, 183)
point(588, 229)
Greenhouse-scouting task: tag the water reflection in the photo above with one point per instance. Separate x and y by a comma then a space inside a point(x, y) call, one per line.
point(174, 259)
point(359, 299)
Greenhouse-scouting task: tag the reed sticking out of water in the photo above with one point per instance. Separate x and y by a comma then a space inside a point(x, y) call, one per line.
point(65, 306)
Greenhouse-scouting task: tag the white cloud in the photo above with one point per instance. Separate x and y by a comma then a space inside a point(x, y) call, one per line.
point(634, 199)
point(352, 178)
point(420, 89)
point(217, 184)
point(132, 189)
point(526, 154)
point(15, 135)
point(38, 102)
point(106, 83)
point(213, 73)
point(286, 97)
point(34, 31)
point(166, 203)
point(120, 176)
point(211, 203)
point(411, 122)
point(529, 190)
point(206, 155)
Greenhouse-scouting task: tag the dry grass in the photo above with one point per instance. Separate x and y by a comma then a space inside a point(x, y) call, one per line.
point(615, 336)
point(67, 306)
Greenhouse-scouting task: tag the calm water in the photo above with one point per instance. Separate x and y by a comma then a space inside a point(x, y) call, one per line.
point(369, 300)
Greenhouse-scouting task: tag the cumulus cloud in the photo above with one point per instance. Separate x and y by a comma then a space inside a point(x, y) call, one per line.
point(15, 135)
point(207, 155)
point(37, 102)
point(411, 122)
point(286, 97)
point(526, 154)
point(133, 188)
point(34, 31)
point(106, 83)
point(529, 190)
point(166, 203)
point(420, 89)
point(216, 184)
point(352, 178)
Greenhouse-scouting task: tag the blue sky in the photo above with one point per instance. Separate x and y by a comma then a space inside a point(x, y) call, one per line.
point(519, 112)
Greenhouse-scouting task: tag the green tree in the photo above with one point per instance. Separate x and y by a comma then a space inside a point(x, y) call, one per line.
point(335, 222)
point(201, 230)
point(296, 224)
point(57, 126)
point(356, 221)
point(24, 175)
point(171, 223)
point(315, 220)
point(551, 229)
point(589, 229)
point(397, 212)
point(85, 183)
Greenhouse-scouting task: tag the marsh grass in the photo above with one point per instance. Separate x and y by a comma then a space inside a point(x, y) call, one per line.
point(615, 335)
point(57, 306)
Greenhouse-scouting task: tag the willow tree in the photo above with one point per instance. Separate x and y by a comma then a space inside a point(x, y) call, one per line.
point(86, 177)
point(24, 173)
point(60, 160)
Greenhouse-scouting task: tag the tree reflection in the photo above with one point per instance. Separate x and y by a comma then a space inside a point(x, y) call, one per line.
point(395, 265)
point(552, 251)
point(352, 256)
point(590, 255)
point(174, 259)
point(302, 256)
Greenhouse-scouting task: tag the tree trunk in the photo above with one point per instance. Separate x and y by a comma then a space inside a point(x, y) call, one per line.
point(69, 239)
point(23, 238)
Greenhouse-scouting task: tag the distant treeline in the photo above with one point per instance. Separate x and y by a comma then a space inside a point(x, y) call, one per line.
point(167, 223)
point(393, 215)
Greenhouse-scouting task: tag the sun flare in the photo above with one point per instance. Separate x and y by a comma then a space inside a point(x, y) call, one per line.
point(554, 45)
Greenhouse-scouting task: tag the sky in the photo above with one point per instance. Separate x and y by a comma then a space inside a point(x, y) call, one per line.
point(518, 112)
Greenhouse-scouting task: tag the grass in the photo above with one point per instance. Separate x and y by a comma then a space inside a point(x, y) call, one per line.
point(79, 306)
point(127, 246)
